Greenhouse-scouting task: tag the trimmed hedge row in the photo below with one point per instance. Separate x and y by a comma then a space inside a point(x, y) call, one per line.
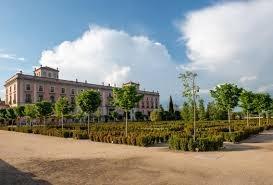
point(186, 143)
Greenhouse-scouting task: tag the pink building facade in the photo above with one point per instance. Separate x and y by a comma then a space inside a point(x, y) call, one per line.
point(45, 85)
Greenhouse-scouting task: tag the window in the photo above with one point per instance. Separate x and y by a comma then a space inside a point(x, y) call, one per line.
point(52, 99)
point(14, 87)
point(41, 89)
point(14, 98)
point(40, 97)
point(54, 75)
point(44, 73)
point(72, 91)
point(72, 100)
point(49, 75)
point(28, 98)
point(10, 89)
point(28, 87)
point(52, 89)
point(63, 90)
point(148, 106)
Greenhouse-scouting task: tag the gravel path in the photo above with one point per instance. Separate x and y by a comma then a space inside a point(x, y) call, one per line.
point(37, 159)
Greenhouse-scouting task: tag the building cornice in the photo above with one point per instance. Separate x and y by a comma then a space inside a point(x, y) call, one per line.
point(67, 82)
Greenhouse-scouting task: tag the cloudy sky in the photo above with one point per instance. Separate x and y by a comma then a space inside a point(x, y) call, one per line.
point(149, 42)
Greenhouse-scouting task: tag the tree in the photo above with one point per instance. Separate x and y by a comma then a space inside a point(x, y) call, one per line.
point(246, 103)
point(114, 115)
point(44, 109)
point(213, 112)
point(262, 103)
point(139, 115)
point(155, 115)
point(185, 112)
point(98, 114)
point(89, 101)
point(201, 110)
point(20, 112)
point(3, 115)
point(31, 111)
point(126, 98)
point(226, 97)
point(190, 91)
point(171, 109)
point(62, 108)
point(11, 115)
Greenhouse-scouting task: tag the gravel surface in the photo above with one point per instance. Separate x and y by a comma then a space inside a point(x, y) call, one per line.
point(36, 159)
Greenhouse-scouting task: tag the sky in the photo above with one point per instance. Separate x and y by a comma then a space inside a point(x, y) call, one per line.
point(149, 42)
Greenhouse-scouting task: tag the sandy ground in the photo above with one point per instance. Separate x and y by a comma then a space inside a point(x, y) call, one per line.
point(37, 159)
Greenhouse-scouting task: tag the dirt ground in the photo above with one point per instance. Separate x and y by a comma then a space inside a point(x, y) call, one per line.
point(36, 159)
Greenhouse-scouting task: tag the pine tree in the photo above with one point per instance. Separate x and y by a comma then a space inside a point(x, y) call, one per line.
point(171, 109)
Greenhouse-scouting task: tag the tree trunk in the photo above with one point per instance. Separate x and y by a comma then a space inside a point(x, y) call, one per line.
point(247, 119)
point(259, 119)
point(62, 122)
point(267, 118)
point(229, 128)
point(88, 123)
point(44, 121)
point(126, 120)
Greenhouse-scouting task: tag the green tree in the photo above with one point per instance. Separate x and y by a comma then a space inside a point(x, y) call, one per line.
point(226, 97)
point(44, 109)
point(155, 115)
point(246, 103)
point(89, 101)
point(139, 115)
point(31, 112)
point(190, 91)
point(20, 112)
point(126, 98)
point(11, 115)
point(262, 103)
point(171, 109)
point(201, 110)
point(186, 112)
point(62, 108)
point(98, 114)
point(3, 115)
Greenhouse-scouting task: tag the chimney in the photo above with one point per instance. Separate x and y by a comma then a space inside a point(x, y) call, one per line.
point(85, 81)
point(76, 79)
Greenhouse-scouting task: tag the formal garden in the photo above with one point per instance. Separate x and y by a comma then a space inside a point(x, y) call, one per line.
point(191, 128)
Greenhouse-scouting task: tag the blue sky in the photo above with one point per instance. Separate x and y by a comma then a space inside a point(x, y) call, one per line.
point(30, 27)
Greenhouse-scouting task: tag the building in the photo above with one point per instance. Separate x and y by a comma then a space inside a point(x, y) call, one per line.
point(45, 85)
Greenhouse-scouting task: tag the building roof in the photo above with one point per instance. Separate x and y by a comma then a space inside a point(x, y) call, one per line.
point(47, 68)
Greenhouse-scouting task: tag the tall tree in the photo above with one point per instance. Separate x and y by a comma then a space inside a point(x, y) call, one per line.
point(44, 109)
point(246, 103)
point(126, 98)
point(31, 111)
point(186, 113)
point(89, 101)
point(201, 110)
point(20, 112)
point(3, 115)
point(11, 115)
point(155, 115)
point(262, 103)
point(171, 109)
point(226, 97)
point(190, 91)
point(62, 108)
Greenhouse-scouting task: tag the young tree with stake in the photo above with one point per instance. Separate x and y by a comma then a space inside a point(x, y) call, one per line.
point(246, 103)
point(226, 97)
point(262, 103)
point(190, 92)
point(61, 108)
point(126, 98)
point(89, 101)
point(44, 109)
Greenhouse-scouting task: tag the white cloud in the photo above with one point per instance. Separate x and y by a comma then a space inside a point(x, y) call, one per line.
point(265, 88)
point(10, 57)
point(244, 79)
point(231, 41)
point(113, 56)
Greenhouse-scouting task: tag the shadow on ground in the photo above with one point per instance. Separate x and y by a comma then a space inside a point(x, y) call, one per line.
point(10, 175)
